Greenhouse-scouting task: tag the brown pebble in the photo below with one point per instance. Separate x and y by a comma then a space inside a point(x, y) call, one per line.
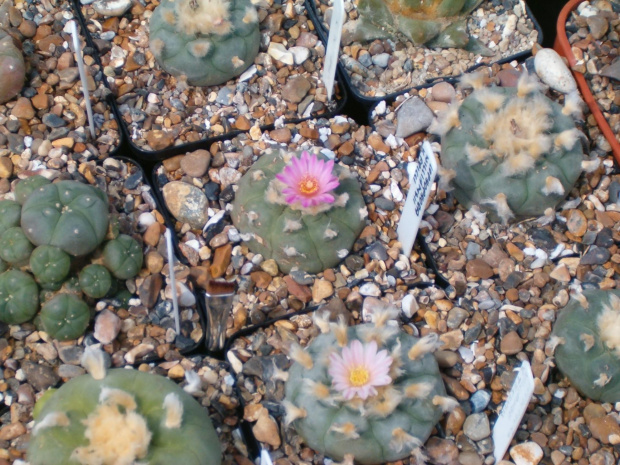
point(6, 167)
point(604, 427)
point(511, 344)
point(221, 260)
point(159, 140)
point(576, 223)
point(242, 123)
point(153, 234)
point(478, 268)
point(196, 163)
point(282, 135)
point(23, 109)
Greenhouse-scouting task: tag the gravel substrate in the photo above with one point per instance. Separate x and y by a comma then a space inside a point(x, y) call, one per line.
point(593, 34)
point(384, 67)
point(159, 115)
point(49, 118)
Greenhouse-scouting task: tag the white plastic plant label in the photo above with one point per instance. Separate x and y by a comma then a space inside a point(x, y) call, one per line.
point(332, 52)
point(265, 459)
point(421, 177)
point(513, 410)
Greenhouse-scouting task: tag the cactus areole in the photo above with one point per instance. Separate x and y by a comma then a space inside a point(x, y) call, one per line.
point(587, 334)
point(121, 417)
point(205, 42)
point(300, 210)
point(371, 393)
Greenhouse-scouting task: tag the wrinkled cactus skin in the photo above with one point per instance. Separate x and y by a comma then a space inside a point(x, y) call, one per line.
point(67, 214)
point(195, 442)
point(574, 325)
point(205, 59)
point(64, 316)
point(123, 257)
point(314, 251)
point(477, 183)
point(12, 68)
point(435, 23)
point(373, 446)
point(19, 297)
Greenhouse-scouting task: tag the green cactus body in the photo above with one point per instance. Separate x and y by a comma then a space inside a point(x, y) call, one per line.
point(50, 265)
point(27, 186)
point(64, 316)
point(207, 41)
point(95, 281)
point(19, 297)
point(387, 426)
point(311, 240)
point(12, 68)
point(15, 247)
point(126, 417)
point(66, 214)
point(515, 152)
point(123, 257)
point(10, 214)
point(435, 23)
point(587, 331)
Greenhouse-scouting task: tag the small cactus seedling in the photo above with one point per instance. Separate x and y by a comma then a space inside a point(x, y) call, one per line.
point(95, 281)
point(516, 152)
point(435, 23)
point(123, 257)
point(301, 211)
point(65, 316)
point(369, 391)
point(15, 248)
point(27, 186)
point(10, 214)
point(205, 42)
point(66, 214)
point(121, 417)
point(587, 334)
point(50, 266)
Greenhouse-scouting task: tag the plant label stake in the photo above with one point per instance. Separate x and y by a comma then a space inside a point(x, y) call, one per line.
point(80, 61)
point(173, 282)
point(513, 410)
point(264, 458)
point(421, 177)
point(333, 47)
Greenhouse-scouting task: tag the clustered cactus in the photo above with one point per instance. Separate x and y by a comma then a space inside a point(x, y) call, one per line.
point(121, 417)
point(205, 42)
point(46, 235)
point(586, 336)
point(369, 393)
point(292, 217)
point(434, 23)
point(516, 152)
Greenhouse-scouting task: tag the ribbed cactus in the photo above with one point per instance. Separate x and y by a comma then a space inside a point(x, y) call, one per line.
point(587, 334)
point(277, 224)
point(370, 392)
point(123, 256)
point(206, 41)
point(65, 316)
point(66, 214)
point(121, 417)
point(511, 151)
point(12, 67)
point(50, 266)
point(435, 23)
point(95, 280)
point(19, 297)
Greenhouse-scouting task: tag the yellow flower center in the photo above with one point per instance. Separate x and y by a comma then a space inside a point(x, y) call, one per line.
point(308, 185)
point(359, 376)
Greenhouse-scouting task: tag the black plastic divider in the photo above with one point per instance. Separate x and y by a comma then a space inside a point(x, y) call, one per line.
point(149, 157)
point(369, 102)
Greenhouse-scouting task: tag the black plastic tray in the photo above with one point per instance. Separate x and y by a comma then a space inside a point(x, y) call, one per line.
point(368, 102)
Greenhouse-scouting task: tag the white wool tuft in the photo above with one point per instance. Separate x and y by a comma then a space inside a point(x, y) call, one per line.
point(567, 139)
point(174, 411)
point(446, 404)
point(94, 362)
point(299, 355)
point(553, 186)
point(425, 345)
point(608, 323)
point(500, 204)
point(292, 412)
point(51, 419)
point(402, 440)
point(347, 429)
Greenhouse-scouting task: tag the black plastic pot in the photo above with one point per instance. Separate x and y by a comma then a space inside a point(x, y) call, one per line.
point(152, 156)
point(369, 102)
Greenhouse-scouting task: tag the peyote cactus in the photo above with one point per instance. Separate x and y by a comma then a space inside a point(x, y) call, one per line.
point(121, 417)
point(10, 214)
point(435, 23)
point(65, 316)
point(291, 216)
point(50, 266)
point(207, 42)
point(12, 68)
point(123, 257)
point(517, 153)
point(19, 297)
point(27, 186)
point(66, 214)
point(15, 247)
point(587, 334)
point(370, 392)
point(95, 281)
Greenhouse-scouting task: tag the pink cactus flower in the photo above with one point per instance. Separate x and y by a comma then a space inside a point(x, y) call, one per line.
point(308, 181)
point(359, 369)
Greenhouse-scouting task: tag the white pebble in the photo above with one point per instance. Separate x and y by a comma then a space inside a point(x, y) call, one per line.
point(552, 70)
